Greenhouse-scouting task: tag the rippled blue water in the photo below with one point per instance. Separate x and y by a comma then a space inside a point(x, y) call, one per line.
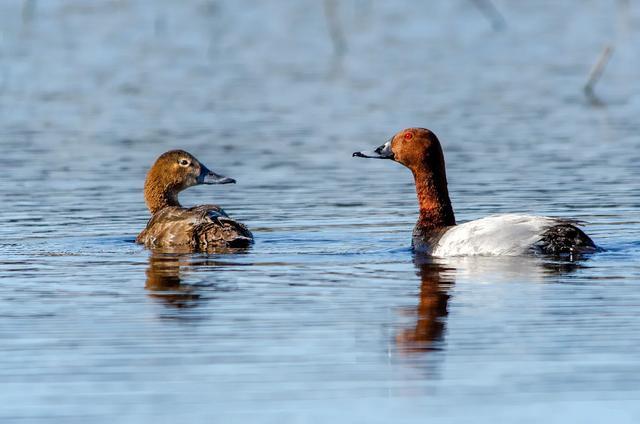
point(329, 317)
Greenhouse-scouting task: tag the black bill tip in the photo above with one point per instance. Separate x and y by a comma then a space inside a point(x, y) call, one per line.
point(227, 180)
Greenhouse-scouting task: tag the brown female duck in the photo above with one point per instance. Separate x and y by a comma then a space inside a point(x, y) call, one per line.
point(197, 228)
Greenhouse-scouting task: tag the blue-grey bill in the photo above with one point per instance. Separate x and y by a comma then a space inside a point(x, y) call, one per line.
point(382, 152)
point(211, 177)
point(368, 155)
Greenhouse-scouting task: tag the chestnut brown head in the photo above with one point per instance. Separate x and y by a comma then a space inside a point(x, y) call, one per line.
point(419, 150)
point(413, 147)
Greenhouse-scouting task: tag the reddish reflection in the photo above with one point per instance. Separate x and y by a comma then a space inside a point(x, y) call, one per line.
point(431, 311)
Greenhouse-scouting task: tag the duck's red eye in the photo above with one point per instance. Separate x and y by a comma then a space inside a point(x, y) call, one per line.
point(408, 136)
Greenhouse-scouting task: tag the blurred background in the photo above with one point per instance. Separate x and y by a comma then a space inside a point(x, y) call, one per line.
point(329, 316)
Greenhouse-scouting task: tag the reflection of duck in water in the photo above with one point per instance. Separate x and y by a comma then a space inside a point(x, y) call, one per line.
point(437, 277)
point(166, 269)
point(164, 282)
point(431, 313)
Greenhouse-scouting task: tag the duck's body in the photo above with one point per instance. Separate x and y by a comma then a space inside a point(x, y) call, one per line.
point(505, 235)
point(197, 228)
point(436, 232)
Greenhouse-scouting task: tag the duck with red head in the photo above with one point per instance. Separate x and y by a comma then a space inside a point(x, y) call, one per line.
point(197, 228)
point(436, 232)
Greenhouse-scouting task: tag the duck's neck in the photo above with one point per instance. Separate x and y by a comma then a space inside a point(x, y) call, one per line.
point(433, 198)
point(159, 195)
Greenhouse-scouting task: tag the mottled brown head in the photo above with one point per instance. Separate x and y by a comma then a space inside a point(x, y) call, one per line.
point(173, 172)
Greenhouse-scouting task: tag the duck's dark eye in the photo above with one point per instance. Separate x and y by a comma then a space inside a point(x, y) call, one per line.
point(184, 162)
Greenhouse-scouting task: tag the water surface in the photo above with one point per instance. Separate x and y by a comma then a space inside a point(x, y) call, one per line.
point(329, 317)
